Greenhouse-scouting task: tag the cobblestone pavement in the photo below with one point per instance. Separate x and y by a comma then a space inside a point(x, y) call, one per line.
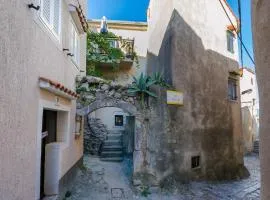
point(110, 181)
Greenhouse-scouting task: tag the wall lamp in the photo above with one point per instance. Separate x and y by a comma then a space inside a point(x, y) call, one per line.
point(70, 54)
point(33, 6)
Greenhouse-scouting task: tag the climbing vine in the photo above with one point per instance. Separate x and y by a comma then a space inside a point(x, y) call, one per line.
point(100, 50)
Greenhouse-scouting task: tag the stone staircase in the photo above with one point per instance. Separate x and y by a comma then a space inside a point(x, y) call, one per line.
point(256, 146)
point(113, 147)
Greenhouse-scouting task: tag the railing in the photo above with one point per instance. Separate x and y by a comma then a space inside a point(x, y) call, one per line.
point(126, 45)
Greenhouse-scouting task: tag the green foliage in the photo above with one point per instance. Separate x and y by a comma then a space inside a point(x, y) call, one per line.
point(100, 50)
point(145, 191)
point(93, 71)
point(67, 195)
point(159, 80)
point(141, 86)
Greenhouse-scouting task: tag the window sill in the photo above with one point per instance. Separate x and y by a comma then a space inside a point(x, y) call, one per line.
point(233, 101)
point(196, 168)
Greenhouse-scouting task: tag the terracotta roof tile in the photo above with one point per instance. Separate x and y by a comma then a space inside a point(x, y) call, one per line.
point(59, 86)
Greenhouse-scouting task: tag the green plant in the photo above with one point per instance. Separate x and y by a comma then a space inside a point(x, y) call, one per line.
point(67, 195)
point(145, 191)
point(141, 87)
point(100, 50)
point(159, 80)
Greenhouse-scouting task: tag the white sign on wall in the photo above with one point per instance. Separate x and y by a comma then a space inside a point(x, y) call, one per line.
point(175, 98)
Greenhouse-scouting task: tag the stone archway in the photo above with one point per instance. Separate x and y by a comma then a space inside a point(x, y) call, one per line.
point(96, 93)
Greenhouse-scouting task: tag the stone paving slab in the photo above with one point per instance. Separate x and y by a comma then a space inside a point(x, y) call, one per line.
point(111, 181)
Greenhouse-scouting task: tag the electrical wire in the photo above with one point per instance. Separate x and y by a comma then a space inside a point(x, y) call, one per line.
point(241, 35)
point(240, 39)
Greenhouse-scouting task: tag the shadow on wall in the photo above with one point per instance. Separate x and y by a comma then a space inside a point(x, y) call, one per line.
point(208, 125)
point(250, 129)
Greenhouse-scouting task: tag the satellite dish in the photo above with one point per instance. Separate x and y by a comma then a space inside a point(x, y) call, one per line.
point(103, 25)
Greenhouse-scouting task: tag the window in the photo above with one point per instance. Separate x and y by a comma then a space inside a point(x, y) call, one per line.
point(230, 41)
point(195, 162)
point(113, 43)
point(50, 15)
point(251, 81)
point(232, 89)
point(75, 44)
point(119, 120)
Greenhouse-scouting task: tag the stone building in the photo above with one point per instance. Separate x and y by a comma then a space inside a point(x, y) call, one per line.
point(43, 48)
point(194, 45)
point(261, 36)
point(135, 32)
point(249, 107)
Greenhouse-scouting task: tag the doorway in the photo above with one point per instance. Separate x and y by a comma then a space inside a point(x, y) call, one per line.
point(49, 125)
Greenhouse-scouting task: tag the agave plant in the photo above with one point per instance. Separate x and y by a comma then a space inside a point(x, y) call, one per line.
point(141, 87)
point(159, 80)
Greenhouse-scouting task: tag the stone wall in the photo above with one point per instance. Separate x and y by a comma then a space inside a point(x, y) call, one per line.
point(209, 124)
point(261, 35)
point(95, 133)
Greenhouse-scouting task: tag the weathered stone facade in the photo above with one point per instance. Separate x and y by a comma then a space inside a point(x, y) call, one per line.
point(209, 124)
point(97, 93)
point(261, 31)
point(193, 57)
point(95, 134)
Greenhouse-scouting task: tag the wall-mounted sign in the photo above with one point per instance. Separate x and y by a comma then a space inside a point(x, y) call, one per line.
point(175, 98)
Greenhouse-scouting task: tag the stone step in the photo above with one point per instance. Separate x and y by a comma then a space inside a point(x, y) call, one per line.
point(112, 142)
point(114, 136)
point(110, 154)
point(113, 159)
point(256, 147)
point(112, 148)
point(116, 132)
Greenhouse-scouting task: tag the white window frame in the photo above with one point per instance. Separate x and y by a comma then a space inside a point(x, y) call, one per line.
point(75, 50)
point(50, 25)
point(230, 38)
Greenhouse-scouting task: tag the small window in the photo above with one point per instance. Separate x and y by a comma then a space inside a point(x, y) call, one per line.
point(232, 89)
point(195, 162)
point(50, 15)
point(119, 120)
point(113, 43)
point(75, 44)
point(230, 41)
point(251, 81)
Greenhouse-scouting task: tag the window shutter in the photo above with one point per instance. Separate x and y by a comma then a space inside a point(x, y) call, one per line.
point(46, 8)
point(56, 16)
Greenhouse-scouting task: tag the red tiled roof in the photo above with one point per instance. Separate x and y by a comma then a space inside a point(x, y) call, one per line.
point(81, 16)
point(59, 86)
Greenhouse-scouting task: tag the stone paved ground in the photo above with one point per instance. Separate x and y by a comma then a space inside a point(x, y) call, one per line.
point(110, 181)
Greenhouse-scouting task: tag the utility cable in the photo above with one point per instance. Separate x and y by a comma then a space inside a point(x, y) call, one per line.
point(241, 35)
point(242, 43)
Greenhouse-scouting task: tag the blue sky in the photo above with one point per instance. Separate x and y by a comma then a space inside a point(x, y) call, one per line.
point(126, 10)
point(135, 10)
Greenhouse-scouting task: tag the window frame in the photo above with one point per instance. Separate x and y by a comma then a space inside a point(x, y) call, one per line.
point(232, 84)
point(74, 34)
point(230, 41)
point(50, 25)
point(115, 123)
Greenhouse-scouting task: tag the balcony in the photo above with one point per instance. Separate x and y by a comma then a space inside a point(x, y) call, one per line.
point(127, 48)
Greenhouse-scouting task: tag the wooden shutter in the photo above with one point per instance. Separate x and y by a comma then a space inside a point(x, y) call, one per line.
point(56, 16)
point(46, 11)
